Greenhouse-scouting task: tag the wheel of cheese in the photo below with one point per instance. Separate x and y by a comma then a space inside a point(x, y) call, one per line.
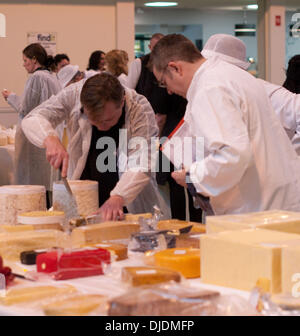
point(184, 260)
point(15, 199)
point(43, 219)
point(85, 193)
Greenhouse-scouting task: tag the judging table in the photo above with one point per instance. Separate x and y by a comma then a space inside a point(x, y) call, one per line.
point(7, 154)
point(109, 284)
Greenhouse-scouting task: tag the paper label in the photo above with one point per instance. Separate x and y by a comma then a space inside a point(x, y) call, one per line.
point(146, 272)
point(179, 252)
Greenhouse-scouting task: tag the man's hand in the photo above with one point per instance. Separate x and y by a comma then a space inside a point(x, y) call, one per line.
point(56, 154)
point(112, 209)
point(180, 177)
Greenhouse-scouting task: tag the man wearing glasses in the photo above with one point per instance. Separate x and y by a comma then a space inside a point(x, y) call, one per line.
point(249, 163)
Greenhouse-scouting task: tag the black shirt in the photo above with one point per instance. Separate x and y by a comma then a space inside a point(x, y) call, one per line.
point(96, 167)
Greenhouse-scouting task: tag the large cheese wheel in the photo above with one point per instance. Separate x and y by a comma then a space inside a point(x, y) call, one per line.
point(184, 260)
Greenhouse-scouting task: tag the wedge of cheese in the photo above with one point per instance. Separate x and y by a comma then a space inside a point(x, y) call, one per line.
point(96, 233)
point(29, 294)
point(278, 220)
point(291, 270)
point(186, 261)
point(238, 259)
point(76, 305)
point(139, 276)
point(118, 251)
point(176, 224)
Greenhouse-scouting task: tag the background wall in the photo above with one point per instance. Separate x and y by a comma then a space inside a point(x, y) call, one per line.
point(80, 30)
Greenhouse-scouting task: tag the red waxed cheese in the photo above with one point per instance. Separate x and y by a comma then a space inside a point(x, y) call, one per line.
point(75, 264)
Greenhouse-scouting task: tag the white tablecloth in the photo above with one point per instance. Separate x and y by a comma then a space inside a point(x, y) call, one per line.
point(109, 284)
point(7, 154)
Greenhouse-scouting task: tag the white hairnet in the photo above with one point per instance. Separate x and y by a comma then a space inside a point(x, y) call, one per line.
point(229, 48)
point(66, 74)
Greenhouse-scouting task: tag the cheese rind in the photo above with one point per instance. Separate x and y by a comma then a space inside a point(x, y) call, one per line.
point(184, 260)
point(97, 233)
point(29, 294)
point(75, 306)
point(237, 259)
point(139, 276)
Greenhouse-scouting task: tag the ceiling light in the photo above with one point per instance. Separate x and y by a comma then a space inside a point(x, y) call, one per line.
point(244, 29)
point(252, 6)
point(161, 4)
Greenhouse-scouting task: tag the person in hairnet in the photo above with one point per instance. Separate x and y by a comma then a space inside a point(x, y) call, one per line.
point(31, 166)
point(285, 103)
point(111, 132)
point(248, 164)
point(69, 74)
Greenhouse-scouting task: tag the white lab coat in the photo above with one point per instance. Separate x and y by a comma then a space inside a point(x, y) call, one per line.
point(286, 105)
point(249, 163)
point(134, 73)
point(139, 189)
point(31, 166)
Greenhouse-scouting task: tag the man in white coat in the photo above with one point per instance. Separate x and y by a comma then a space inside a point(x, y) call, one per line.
point(249, 163)
point(285, 103)
point(96, 110)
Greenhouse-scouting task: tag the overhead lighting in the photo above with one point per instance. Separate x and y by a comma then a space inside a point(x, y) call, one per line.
point(161, 4)
point(245, 29)
point(252, 6)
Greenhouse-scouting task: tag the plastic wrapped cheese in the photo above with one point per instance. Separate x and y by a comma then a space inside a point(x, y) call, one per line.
point(77, 305)
point(237, 259)
point(96, 233)
point(141, 275)
point(43, 220)
point(15, 199)
point(13, 243)
point(278, 220)
point(29, 294)
point(85, 192)
point(183, 260)
point(176, 224)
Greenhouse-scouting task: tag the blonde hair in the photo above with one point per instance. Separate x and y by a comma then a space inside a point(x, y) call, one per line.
point(117, 62)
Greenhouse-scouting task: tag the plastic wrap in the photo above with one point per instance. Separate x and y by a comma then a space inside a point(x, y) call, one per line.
point(164, 300)
point(43, 220)
point(15, 199)
point(63, 264)
point(278, 220)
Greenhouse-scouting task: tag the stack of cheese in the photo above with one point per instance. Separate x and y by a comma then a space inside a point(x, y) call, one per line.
point(239, 258)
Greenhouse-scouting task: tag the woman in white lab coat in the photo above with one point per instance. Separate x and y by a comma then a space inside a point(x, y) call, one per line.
point(117, 64)
point(31, 166)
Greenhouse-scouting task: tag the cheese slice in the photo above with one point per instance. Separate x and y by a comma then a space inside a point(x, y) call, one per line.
point(96, 233)
point(278, 220)
point(29, 294)
point(138, 276)
point(176, 224)
point(75, 306)
point(238, 259)
point(183, 260)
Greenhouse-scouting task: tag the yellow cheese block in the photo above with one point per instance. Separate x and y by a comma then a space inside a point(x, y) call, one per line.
point(16, 228)
point(96, 233)
point(278, 220)
point(13, 243)
point(291, 270)
point(184, 260)
point(176, 224)
point(238, 259)
point(135, 217)
point(117, 250)
point(138, 276)
point(29, 294)
point(75, 306)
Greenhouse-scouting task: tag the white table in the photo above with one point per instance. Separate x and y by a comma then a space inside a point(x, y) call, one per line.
point(7, 154)
point(108, 284)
